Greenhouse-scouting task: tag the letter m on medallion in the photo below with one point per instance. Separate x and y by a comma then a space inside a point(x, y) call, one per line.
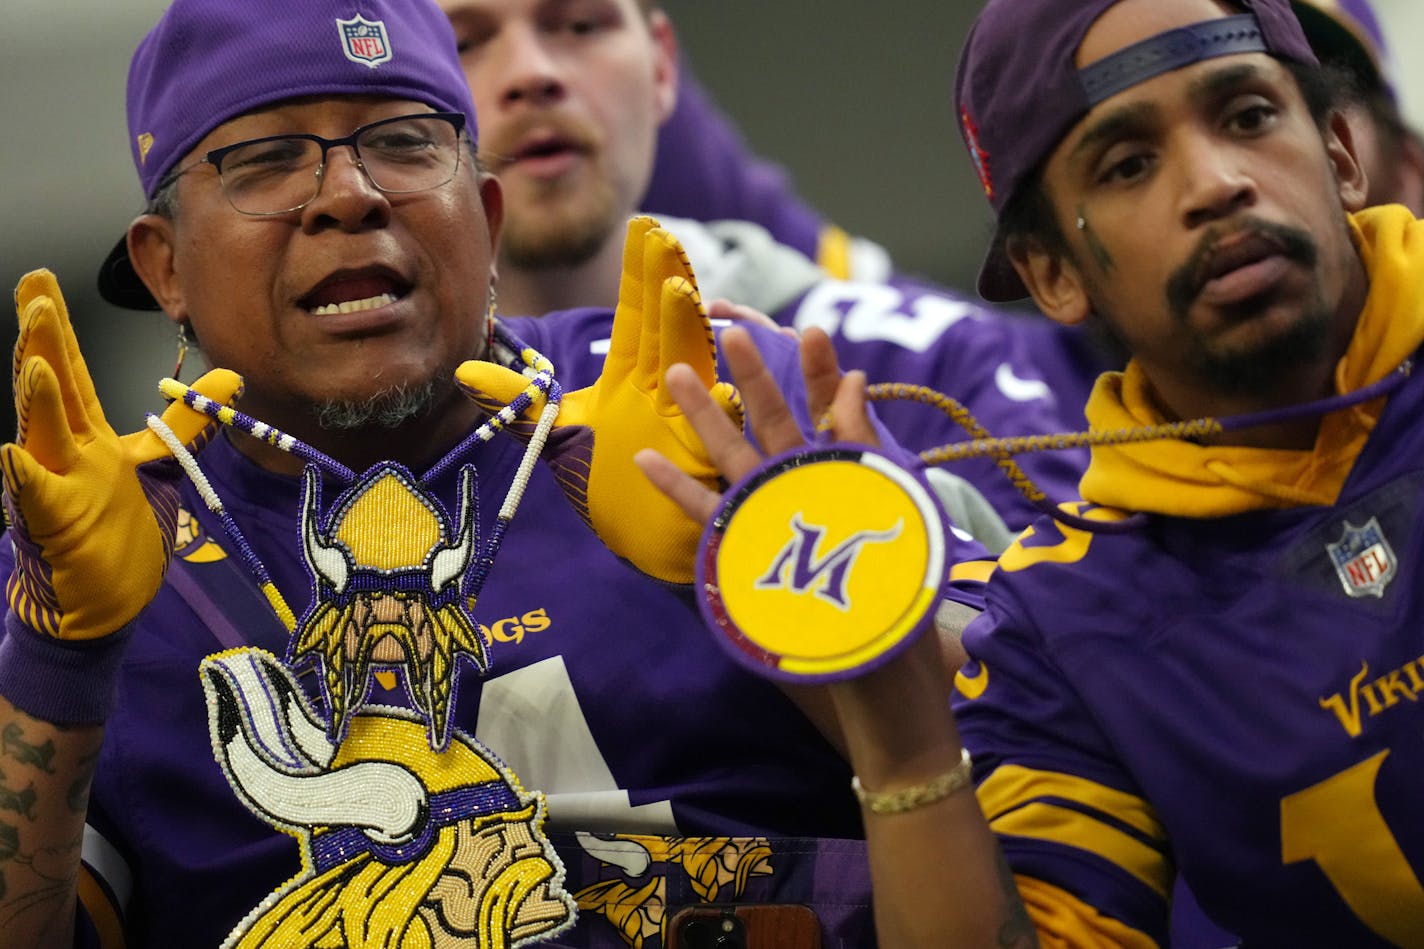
point(800, 568)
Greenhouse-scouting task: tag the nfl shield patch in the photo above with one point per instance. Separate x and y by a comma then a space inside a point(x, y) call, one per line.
point(1363, 559)
point(364, 41)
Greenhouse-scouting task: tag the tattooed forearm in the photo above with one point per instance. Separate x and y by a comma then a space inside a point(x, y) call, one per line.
point(1017, 931)
point(37, 890)
point(21, 802)
point(77, 797)
point(9, 842)
point(13, 745)
point(45, 774)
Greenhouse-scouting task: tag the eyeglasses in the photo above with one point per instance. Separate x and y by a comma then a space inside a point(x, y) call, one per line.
point(283, 173)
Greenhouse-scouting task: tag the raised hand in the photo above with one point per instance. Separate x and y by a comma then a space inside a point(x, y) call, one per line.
point(92, 514)
point(838, 398)
point(659, 322)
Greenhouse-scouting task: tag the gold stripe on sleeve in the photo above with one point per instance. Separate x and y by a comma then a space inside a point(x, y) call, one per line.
point(973, 570)
point(1070, 828)
point(1012, 786)
point(101, 911)
point(833, 252)
point(1013, 799)
point(1062, 919)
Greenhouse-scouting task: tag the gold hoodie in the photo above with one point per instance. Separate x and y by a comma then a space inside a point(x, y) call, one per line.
point(1183, 479)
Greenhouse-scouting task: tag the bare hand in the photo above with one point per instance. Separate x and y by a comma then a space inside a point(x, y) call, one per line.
point(722, 309)
point(771, 421)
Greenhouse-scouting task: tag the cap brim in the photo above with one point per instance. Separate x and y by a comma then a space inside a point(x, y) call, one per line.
point(998, 280)
point(119, 283)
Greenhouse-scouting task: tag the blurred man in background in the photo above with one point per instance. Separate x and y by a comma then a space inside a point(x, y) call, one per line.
point(572, 97)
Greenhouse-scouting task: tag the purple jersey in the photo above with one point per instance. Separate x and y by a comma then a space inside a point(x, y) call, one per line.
point(605, 691)
point(1233, 696)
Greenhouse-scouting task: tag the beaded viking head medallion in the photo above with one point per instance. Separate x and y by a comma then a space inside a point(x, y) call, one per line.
point(393, 575)
point(390, 573)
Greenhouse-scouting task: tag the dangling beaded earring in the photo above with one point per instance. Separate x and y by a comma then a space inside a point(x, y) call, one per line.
point(489, 320)
point(184, 340)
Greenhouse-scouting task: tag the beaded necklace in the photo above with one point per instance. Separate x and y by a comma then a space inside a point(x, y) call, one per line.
point(506, 349)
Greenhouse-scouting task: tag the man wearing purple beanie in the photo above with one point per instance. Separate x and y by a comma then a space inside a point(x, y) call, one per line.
point(1208, 670)
point(357, 672)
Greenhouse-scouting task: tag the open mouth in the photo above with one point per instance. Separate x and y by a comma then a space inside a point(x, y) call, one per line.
point(1242, 265)
point(1238, 253)
point(1243, 268)
point(540, 149)
point(355, 292)
point(545, 147)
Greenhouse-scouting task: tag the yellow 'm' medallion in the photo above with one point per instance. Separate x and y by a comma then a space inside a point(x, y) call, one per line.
point(822, 563)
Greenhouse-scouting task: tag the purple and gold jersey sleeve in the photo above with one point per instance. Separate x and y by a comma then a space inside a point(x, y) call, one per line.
point(99, 921)
point(1089, 850)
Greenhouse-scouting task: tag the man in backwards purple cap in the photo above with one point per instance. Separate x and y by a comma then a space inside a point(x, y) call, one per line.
point(317, 223)
point(1209, 668)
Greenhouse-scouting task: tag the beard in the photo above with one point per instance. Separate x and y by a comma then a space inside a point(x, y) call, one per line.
point(559, 227)
point(388, 409)
point(1259, 367)
point(1262, 368)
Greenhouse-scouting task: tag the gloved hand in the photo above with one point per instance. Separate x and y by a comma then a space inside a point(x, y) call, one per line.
point(92, 515)
point(659, 321)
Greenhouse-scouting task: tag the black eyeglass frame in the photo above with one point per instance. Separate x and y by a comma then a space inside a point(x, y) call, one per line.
point(215, 157)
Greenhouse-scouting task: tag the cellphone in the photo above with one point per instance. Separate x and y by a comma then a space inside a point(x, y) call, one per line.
point(745, 926)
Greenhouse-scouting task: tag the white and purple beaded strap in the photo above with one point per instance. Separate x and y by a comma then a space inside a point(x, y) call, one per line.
point(513, 353)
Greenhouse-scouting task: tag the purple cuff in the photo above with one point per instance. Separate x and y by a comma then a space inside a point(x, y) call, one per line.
point(61, 681)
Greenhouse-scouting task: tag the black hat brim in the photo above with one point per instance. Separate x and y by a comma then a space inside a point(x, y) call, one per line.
point(119, 283)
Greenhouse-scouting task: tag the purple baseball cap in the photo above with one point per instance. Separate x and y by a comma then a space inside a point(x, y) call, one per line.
point(1347, 31)
point(1018, 91)
point(208, 61)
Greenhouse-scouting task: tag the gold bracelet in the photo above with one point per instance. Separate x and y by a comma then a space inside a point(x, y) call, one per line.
point(908, 799)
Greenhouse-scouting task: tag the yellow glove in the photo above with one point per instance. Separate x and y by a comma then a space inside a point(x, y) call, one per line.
point(659, 321)
point(92, 515)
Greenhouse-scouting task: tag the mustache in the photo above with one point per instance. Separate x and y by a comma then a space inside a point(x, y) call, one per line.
point(503, 148)
point(1188, 280)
